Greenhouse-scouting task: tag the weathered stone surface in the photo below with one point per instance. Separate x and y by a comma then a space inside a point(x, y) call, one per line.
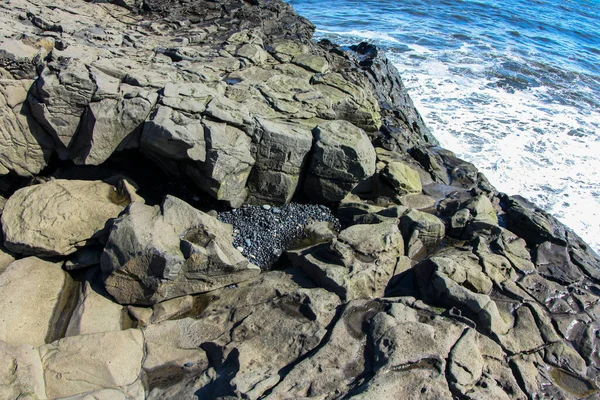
point(21, 373)
point(173, 135)
point(338, 363)
point(372, 239)
point(280, 158)
point(554, 262)
point(403, 178)
point(350, 101)
point(249, 333)
point(342, 157)
point(358, 265)
point(95, 312)
point(418, 201)
point(466, 362)
point(532, 223)
point(86, 363)
point(311, 62)
point(229, 94)
point(60, 96)
point(31, 281)
point(158, 253)
point(442, 280)
point(24, 146)
point(431, 229)
point(5, 259)
point(400, 119)
point(228, 163)
point(108, 124)
point(59, 216)
point(20, 57)
point(172, 308)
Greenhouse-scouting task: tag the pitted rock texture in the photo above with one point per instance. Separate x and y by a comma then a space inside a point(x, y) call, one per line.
point(433, 285)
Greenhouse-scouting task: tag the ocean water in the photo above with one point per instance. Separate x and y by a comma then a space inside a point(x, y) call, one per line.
point(512, 86)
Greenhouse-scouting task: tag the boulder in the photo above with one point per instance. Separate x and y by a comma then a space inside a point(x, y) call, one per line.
point(431, 229)
point(453, 281)
point(171, 134)
point(352, 98)
point(342, 157)
point(109, 124)
point(86, 363)
point(553, 261)
point(403, 178)
point(33, 281)
point(228, 163)
point(281, 156)
point(531, 223)
point(158, 253)
point(58, 217)
point(358, 265)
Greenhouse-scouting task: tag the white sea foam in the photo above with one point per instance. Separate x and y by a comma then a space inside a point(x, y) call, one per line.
point(547, 152)
point(362, 35)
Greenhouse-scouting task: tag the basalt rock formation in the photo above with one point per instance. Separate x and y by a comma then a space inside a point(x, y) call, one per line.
point(127, 126)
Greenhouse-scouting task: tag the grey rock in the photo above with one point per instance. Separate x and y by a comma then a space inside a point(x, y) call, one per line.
point(553, 261)
point(403, 178)
point(34, 281)
point(431, 229)
point(70, 362)
point(24, 145)
point(60, 216)
point(228, 163)
point(95, 312)
point(59, 99)
point(342, 157)
point(338, 362)
point(281, 156)
point(158, 253)
point(238, 329)
point(358, 265)
point(173, 135)
point(108, 125)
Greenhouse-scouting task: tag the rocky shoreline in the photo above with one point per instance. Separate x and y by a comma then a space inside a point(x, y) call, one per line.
point(364, 261)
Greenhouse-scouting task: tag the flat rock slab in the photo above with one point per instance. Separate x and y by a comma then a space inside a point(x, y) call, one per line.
point(59, 216)
point(85, 363)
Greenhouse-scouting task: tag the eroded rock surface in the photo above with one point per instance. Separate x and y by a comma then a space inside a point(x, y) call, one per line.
point(158, 253)
point(58, 217)
point(434, 286)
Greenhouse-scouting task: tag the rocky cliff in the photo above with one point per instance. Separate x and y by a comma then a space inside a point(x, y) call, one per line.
point(364, 261)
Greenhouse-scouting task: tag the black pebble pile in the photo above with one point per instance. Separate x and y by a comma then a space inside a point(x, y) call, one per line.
point(263, 233)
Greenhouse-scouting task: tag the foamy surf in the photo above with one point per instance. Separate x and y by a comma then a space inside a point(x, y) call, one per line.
point(540, 151)
point(513, 87)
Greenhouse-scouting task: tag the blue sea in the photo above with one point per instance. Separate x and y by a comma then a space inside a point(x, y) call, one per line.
point(512, 86)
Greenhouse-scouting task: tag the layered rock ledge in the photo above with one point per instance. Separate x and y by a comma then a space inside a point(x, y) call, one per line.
point(130, 129)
